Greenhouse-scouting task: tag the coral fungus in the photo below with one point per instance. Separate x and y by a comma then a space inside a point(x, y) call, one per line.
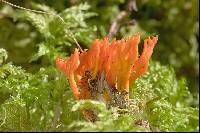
point(105, 71)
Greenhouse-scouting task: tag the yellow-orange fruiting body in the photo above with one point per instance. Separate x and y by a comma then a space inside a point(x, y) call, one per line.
point(119, 60)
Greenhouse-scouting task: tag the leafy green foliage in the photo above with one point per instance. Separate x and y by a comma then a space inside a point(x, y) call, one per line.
point(160, 81)
point(165, 117)
point(166, 101)
point(38, 98)
point(58, 34)
point(108, 120)
point(44, 102)
point(53, 34)
point(34, 96)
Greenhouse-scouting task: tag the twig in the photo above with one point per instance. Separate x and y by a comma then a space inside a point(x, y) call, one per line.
point(132, 5)
point(117, 22)
point(57, 114)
